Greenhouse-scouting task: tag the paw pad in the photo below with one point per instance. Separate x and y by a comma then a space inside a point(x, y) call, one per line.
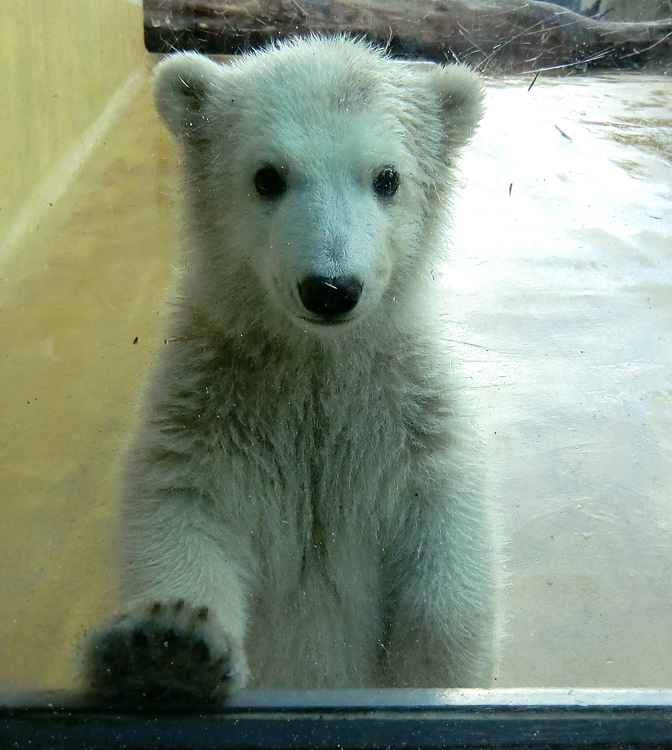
point(161, 651)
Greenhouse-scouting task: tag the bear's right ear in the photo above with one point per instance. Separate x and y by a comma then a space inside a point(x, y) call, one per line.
point(183, 84)
point(460, 93)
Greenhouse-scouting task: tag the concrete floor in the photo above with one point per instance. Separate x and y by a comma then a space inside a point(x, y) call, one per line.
point(563, 303)
point(561, 284)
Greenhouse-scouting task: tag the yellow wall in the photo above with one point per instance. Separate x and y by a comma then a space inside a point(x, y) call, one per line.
point(60, 63)
point(79, 297)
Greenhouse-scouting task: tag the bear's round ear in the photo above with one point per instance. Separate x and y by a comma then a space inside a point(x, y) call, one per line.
point(460, 93)
point(182, 85)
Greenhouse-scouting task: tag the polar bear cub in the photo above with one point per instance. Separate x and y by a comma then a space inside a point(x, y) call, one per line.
point(302, 504)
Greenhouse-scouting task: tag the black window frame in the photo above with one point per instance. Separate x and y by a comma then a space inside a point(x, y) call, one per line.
point(349, 720)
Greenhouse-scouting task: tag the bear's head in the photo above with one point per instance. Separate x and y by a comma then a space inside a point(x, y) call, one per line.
point(317, 175)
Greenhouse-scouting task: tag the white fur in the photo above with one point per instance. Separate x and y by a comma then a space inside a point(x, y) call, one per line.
point(315, 487)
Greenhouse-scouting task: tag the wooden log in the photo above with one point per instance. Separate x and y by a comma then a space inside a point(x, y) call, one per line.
point(492, 35)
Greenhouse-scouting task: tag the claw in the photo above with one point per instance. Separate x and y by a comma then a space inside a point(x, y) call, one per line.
point(202, 613)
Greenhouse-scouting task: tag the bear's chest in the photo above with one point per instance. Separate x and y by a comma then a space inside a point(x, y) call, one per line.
point(322, 462)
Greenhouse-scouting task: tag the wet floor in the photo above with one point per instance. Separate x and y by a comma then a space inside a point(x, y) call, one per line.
point(561, 289)
point(562, 284)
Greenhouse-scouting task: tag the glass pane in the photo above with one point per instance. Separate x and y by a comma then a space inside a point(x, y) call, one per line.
point(556, 290)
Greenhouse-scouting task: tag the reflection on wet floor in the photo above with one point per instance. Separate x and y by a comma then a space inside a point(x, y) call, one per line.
point(561, 289)
point(562, 286)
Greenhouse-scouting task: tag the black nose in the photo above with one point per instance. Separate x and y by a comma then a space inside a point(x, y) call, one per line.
point(330, 297)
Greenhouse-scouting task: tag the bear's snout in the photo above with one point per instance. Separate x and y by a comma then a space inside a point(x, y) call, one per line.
point(330, 299)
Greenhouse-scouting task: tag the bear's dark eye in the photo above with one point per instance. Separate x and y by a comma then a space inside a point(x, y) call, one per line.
point(269, 183)
point(386, 183)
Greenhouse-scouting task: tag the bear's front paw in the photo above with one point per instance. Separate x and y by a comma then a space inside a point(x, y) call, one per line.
point(162, 651)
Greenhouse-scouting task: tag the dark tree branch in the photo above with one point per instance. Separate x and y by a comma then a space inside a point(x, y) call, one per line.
point(492, 35)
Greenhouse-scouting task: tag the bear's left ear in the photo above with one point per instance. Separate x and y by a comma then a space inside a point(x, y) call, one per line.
point(460, 92)
point(183, 85)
